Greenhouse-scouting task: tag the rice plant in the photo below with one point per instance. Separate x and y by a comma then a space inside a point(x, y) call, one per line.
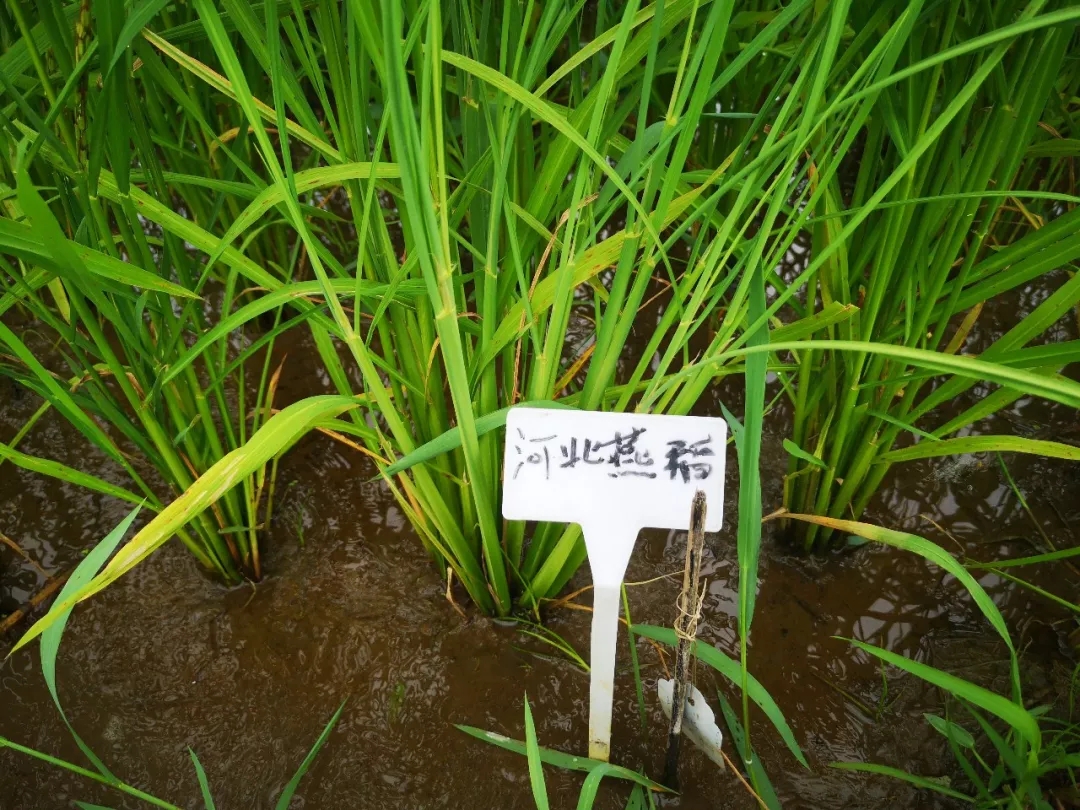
point(989, 208)
point(531, 204)
point(581, 152)
point(470, 206)
point(451, 140)
point(111, 344)
point(115, 178)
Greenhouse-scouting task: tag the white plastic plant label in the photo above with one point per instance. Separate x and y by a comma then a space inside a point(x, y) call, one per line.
point(614, 474)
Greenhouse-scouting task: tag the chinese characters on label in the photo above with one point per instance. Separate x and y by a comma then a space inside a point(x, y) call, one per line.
point(623, 454)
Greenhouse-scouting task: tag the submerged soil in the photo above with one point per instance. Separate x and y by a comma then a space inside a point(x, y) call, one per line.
point(352, 609)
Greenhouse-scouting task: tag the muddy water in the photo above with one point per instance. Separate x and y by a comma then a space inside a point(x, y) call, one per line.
point(352, 609)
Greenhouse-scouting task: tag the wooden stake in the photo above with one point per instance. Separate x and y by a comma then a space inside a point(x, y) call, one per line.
point(686, 629)
point(50, 587)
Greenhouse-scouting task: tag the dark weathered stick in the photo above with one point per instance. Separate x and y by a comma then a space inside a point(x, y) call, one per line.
point(685, 629)
point(48, 590)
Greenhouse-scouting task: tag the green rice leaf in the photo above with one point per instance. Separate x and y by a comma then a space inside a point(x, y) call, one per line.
point(204, 785)
point(451, 439)
point(983, 444)
point(142, 15)
point(68, 766)
point(20, 239)
point(731, 670)
point(290, 789)
point(829, 315)
point(798, 452)
point(928, 551)
point(293, 292)
point(918, 781)
point(54, 634)
point(750, 760)
point(1035, 559)
point(587, 796)
point(545, 112)
point(279, 433)
point(1056, 148)
point(1017, 717)
point(536, 765)
point(637, 800)
point(307, 180)
point(62, 472)
point(223, 85)
point(59, 396)
point(950, 730)
point(559, 759)
point(1056, 388)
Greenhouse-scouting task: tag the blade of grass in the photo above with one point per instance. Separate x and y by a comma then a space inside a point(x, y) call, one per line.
point(983, 444)
point(896, 773)
point(287, 794)
point(204, 785)
point(536, 766)
point(560, 760)
point(1016, 716)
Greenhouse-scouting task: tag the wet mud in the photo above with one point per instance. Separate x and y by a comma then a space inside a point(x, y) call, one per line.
point(352, 609)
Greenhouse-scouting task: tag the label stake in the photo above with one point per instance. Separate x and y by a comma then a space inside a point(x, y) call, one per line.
point(613, 474)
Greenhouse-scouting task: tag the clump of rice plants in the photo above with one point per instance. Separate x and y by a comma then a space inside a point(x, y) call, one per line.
point(470, 206)
point(112, 341)
point(541, 209)
point(527, 205)
point(532, 204)
point(117, 174)
point(989, 207)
